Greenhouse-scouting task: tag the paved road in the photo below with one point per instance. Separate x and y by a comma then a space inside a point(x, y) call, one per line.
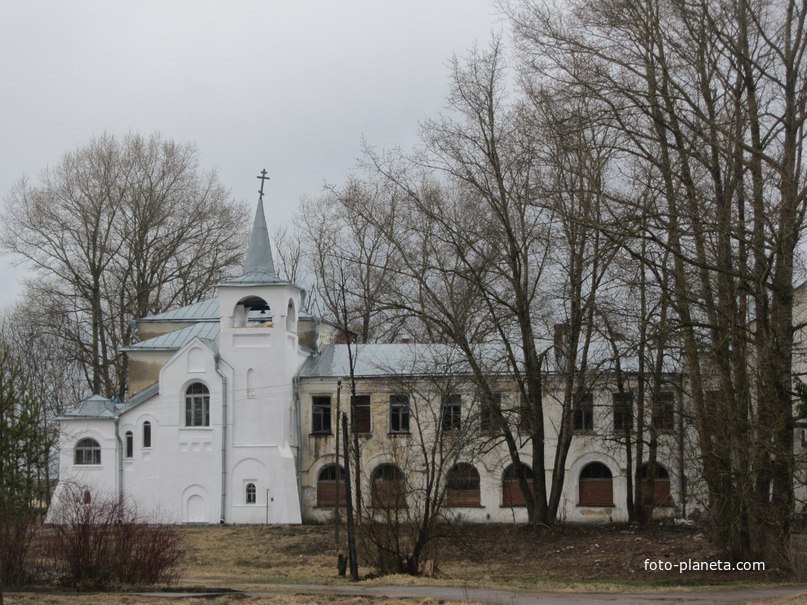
point(510, 597)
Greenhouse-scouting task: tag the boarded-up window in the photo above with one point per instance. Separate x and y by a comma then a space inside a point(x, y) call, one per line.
point(326, 487)
point(657, 491)
point(596, 485)
point(388, 487)
point(462, 486)
point(512, 495)
point(360, 413)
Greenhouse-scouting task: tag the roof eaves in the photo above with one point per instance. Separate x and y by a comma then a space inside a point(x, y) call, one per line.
point(78, 417)
point(178, 320)
point(143, 396)
point(150, 349)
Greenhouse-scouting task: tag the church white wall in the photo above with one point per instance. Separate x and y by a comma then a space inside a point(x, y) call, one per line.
point(263, 422)
point(251, 438)
point(101, 478)
point(179, 476)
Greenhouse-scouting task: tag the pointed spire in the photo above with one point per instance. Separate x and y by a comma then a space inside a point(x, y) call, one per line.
point(259, 262)
point(259, 267)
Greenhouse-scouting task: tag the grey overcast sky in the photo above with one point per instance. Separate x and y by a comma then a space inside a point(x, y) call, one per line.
point(289, 85)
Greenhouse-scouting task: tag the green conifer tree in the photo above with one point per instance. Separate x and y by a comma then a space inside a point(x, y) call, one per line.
point(25, 440)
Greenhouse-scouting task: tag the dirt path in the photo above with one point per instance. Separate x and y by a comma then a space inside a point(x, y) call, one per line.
point(509, 597)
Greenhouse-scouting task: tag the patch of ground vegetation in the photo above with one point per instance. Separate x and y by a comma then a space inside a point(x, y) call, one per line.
point(563, 558)
point(584, 554)
point(228, 599)
point(258, 554)
point(484, 554)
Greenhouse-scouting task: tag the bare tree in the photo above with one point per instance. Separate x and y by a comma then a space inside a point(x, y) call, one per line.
point(352, 265)
point(429, 463)
point(575, 157)
point(119, 229)
point(53, 379)
point(472, 245)
point(495, 235)
point(289, 250)
point(710, 99)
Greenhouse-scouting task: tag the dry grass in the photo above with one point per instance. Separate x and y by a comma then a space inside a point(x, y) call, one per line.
point(230, 556)
point(593, 558)
point(234, 599)
point(568, 558)
point(798, 600)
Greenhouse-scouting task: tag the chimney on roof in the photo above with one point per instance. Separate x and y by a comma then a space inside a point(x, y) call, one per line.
point(561, 342)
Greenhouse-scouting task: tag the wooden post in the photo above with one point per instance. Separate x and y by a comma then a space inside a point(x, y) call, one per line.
point(351, 529)
point(340, 558)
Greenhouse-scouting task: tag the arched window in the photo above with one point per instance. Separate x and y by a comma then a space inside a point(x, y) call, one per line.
point(146, 434)
point(596, 485)
point(512, 496)
point(462, 485)
point(659, 493)
point(197, 405)
point(88, 451)
point(129, 444)
point(291, 318)
point(252, 311)
point(251, 383)
point(326, 487)
point(388, 487)
point(251, 493)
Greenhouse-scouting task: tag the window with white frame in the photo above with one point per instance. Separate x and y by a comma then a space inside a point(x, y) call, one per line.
point(490, 413)
point(321, 415)
point(452, 412)
point(197, 405)
point(147, 434)
point(88, 451)
point(623, 411)
point(399, 413)
point(664, 411)
point(129, 444)
point(583, 412)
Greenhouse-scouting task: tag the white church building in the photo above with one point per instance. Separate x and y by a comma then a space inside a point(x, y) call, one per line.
point(231, 416)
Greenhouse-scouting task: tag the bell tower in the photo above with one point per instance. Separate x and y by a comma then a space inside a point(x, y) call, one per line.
point(258, 340)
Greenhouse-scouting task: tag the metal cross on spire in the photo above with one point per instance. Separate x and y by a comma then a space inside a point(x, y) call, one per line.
point(262, 178)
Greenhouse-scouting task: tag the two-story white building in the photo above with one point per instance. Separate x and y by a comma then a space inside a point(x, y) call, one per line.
point(231, 418)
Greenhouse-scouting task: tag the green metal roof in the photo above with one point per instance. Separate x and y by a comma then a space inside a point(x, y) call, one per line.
point(204, 310)
point(207, 330)
point(95, 407)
